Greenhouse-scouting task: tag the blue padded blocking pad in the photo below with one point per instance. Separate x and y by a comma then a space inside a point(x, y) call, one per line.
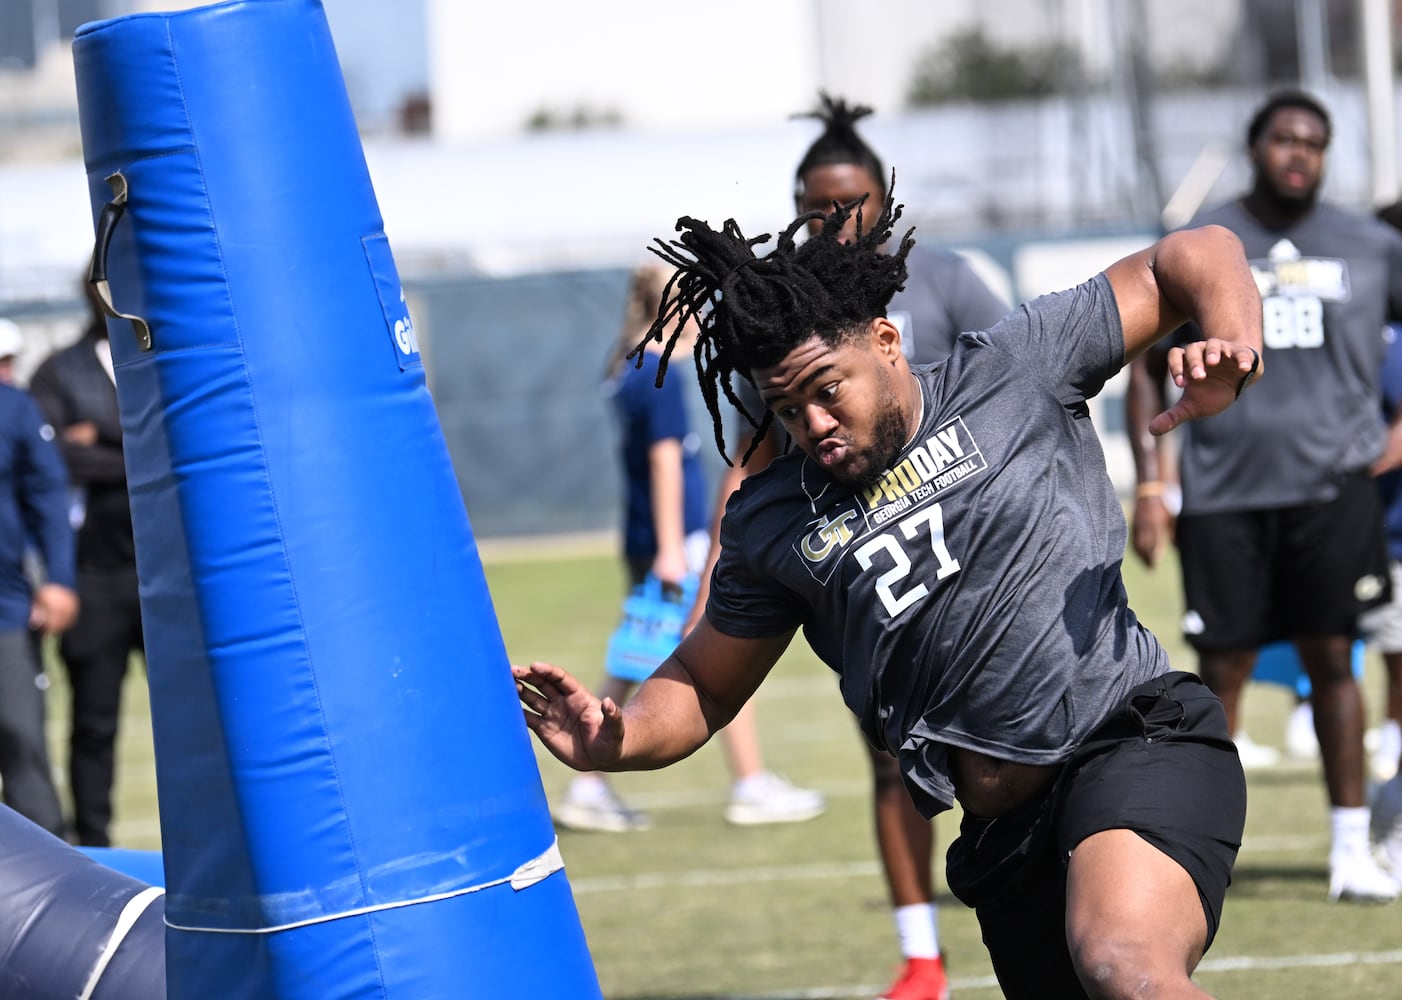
point(345, 780)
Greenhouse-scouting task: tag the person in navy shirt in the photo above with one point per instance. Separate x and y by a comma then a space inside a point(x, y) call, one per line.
point(33, 514)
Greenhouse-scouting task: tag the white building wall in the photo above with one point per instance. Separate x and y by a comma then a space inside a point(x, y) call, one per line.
point(868, 51)
point(663, 66)
point(736, 63)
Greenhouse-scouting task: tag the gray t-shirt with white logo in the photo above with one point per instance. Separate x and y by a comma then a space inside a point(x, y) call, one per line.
point(973, 597)
point(1325, 285)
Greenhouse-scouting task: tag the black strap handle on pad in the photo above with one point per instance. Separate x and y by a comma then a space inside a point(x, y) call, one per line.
point(97, 268)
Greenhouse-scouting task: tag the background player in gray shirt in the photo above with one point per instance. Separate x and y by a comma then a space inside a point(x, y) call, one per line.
point(1281, 531)
point(950, 543)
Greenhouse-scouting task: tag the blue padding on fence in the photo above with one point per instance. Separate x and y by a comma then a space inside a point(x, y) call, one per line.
point(341, 757)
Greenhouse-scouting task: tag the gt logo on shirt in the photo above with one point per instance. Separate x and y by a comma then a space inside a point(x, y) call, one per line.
point(831, 532)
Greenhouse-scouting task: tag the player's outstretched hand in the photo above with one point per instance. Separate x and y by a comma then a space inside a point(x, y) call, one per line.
point(1212, 373)
point(578, 728)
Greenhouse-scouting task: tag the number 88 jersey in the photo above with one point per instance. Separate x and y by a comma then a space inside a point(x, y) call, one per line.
point(1326, 285)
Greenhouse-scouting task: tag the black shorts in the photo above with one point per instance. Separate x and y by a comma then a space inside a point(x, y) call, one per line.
point(1162, 765)
point(1254, 577)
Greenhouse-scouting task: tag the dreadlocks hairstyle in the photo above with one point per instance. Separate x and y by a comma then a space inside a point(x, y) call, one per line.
point(839, 142)
point(754, 310)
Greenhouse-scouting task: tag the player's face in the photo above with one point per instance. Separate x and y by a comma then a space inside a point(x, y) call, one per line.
point(840, 183)
point(849, 407)
point(1289, 154)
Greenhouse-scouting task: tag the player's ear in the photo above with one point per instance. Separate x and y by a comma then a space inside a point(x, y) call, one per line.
point(886, 337)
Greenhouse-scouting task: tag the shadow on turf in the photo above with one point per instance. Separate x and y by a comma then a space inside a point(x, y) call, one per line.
point(1284, 775)
point(1299, 883)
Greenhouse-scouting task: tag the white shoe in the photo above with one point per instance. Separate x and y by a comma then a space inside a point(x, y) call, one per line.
point(599, 814)
point(1387, 825)
point(1253, 754)
point(1301, 743)
point(768, 798)
point(1358, 878)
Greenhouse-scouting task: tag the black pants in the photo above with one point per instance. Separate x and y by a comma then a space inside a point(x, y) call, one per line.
point(1163, 765)
point(95, 653)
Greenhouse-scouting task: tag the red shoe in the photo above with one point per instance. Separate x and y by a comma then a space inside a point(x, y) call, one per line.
point(922, 979)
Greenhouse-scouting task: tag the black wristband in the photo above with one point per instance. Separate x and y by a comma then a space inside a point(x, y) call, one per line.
point(1246, 379)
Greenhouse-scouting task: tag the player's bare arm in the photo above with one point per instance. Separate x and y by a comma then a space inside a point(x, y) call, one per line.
point(691, 696)
point(1146, 396)
point(1202, 275)
point(668, 518)
point(1391, 458)
point(763, 453)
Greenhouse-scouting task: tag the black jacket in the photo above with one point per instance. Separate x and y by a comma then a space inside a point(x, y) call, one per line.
point(72, 387)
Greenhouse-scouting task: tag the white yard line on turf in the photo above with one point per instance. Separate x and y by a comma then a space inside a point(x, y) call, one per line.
point(722, 877)
point(1248, 964)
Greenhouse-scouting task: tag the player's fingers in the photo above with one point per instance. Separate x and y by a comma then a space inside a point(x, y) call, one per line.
point(1175, 365)
point(1163, 423)
point(1233, 350)
point(533, 686)
point(537, 668)
point(1194, 364)
point(532, 699)
point(612, 712)
point(546, 677)
point(1242, 355)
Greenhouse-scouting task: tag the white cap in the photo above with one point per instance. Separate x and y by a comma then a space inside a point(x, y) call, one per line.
point(11, 339)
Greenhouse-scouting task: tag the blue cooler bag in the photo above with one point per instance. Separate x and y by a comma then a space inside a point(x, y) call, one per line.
point(653, 617)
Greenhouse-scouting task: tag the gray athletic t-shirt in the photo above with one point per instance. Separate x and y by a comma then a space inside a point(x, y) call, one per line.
point(942, 298)
point(1325, 287)
point(973, 598)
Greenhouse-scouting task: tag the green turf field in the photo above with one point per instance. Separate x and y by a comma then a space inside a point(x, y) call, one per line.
point(695, 908)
